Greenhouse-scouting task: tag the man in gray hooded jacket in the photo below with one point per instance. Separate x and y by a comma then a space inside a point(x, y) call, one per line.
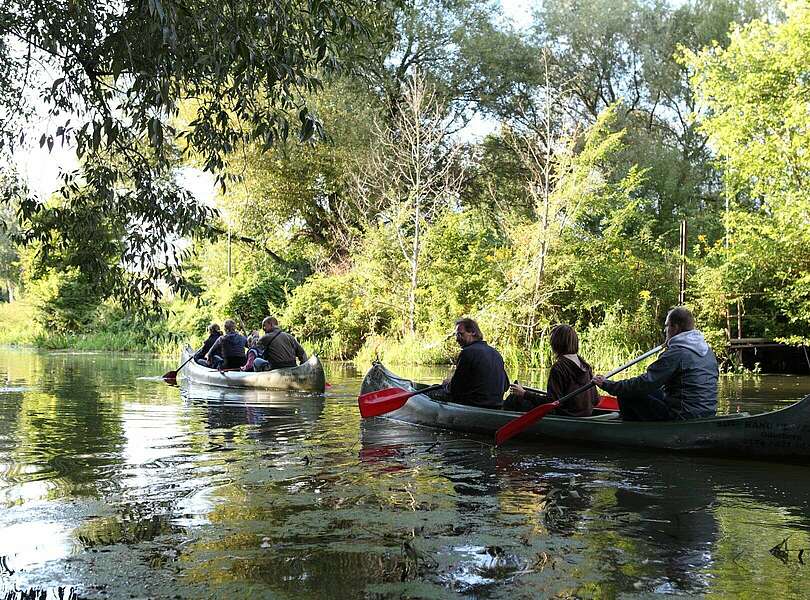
point(681, 384)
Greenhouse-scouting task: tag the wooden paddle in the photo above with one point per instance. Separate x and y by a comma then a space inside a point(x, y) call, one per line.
point(374, 404)
point(605, 402)
point(172, 375)
point(515, 426)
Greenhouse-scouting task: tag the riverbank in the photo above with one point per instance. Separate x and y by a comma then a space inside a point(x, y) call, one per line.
point(18, 328)
point(114, 331)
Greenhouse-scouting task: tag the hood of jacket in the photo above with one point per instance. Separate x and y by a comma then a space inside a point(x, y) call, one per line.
point(691, 340)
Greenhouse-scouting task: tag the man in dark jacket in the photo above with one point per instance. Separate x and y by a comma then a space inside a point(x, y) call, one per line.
point(480, 378)
point(214, 334)
point(681, 384)
point(228, 351)
point(278, 348)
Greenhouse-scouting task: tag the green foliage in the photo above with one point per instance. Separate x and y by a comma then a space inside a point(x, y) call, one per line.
point(755, 95)
point(623, 52)
point(16, 325)
point(407, 350)
point(462, 271)
point(65, 301)
point(334, 313)
point(246, 68)
point(569, 213)
point(306, 186)
point(250, 299)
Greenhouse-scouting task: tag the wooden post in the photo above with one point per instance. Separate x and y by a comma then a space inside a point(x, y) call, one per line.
point(739, 329)
point(728, 321)
point(229, 254)
point(682, 270)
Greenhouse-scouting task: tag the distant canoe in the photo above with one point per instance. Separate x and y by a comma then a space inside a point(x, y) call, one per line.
point(308, 377)
point(781, 435)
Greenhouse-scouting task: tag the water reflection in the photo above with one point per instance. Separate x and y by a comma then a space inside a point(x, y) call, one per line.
point(272, 413)
point(112, 485)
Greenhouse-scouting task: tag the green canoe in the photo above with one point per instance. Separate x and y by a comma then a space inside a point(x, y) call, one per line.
point(782, 434)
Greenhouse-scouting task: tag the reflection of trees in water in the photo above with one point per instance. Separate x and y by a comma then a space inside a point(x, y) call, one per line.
point(688, 525)
point(59, 592)
point(261, 415)
point(134, 523)
point(66, 431)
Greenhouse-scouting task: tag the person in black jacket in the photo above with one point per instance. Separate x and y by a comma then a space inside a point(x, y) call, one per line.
point(569, 372)
point(228, 352)
point(480, 378)
point(680, 385)
point(214, 334)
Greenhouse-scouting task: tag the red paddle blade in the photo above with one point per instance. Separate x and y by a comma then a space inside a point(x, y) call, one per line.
point(170, 375)
point(515, 426)
point(374, 404)
point(608, 403)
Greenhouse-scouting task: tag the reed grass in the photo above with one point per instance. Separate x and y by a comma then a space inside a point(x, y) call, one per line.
point(417, 351)
point(16, 325)
point(408, 350)
point(602, 350)
point(17, 328)
point(119, 341)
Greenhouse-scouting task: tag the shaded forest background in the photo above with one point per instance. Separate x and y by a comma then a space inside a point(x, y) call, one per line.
point(369, 218)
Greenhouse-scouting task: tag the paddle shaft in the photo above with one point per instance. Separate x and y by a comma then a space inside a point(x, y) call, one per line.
point(605, 402)
point(591, 384)
point(173, 374)
point(188, 360)
point(515, 426)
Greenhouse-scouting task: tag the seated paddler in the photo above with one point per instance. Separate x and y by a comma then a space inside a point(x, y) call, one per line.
point(278, 349)
point(228, 351)
point(680, 385)
point(480, 378)
point(214, 333)
point(569, 372)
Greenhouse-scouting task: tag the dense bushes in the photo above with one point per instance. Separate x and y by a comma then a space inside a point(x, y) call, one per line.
point(64, 301)
point(335, 313)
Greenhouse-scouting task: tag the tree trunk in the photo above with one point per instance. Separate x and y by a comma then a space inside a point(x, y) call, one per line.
point(414, 266)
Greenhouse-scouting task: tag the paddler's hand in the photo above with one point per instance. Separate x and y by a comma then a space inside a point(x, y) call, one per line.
point(598, 380)
point(517, 390)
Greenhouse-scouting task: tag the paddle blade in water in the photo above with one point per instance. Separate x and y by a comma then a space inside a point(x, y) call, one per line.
point(374, 404)
point(515, 426)
point(608, 403)
point(172, 375)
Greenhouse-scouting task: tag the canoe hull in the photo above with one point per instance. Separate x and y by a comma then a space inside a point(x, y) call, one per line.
point(308, 377)
point(781, 434)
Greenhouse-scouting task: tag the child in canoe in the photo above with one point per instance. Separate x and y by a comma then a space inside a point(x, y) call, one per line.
point(569, 372)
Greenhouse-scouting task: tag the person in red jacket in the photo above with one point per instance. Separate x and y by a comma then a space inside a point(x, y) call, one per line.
point(569, 372)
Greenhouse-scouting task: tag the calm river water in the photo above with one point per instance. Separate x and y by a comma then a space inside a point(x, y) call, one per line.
point(117, 487)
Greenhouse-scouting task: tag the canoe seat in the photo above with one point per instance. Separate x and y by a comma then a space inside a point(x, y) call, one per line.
point(614, 416)
point(608, 416)
point(732, 416)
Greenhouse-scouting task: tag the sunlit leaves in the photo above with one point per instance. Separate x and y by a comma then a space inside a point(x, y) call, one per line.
point(755, 95)
point(121, 72)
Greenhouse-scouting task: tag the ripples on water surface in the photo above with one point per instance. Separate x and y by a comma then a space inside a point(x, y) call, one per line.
point(114, 487)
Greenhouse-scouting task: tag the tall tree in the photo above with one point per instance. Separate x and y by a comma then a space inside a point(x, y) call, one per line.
point(299, 195)
point(412, 178)
point(754, 96)
point(120, 71)
point(623, 51)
